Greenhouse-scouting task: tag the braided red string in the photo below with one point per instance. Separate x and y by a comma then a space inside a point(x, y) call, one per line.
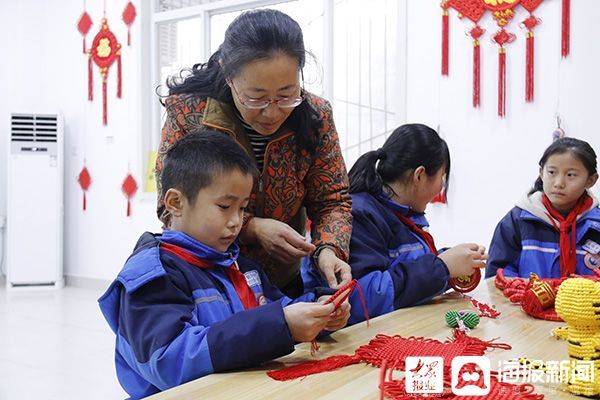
point(338, 298)
point(394, 350)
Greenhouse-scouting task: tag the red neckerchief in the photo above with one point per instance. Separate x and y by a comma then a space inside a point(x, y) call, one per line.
point(423, 234)
point(238, 279)
point(568, 253)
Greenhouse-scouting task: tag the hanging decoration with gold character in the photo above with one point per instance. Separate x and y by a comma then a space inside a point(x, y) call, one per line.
point(104, 52)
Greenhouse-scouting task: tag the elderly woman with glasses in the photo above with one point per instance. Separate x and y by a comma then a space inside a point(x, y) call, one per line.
point(251, 89)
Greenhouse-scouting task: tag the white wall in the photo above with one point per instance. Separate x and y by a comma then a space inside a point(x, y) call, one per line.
point(494, 161)
point(43, 68)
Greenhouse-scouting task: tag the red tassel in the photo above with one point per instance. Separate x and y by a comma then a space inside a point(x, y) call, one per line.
point(529, 73)
point(476, 74)
point(566, 28)
point(119, 76)
point(84, 202)
point(128, 208)
point(104, 111)
point(90, 80)
point(84, 45)
point(313, 367)
point(445, 40)
point(502, 82)
point(128, 37)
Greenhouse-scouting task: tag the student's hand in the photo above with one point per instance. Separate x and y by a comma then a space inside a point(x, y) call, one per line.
point(335, 271)
point(306, 320)
point(339, 318)
point(278, 239)
point(461, 260)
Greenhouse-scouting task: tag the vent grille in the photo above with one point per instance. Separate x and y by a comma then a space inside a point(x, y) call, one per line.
point(32, 128)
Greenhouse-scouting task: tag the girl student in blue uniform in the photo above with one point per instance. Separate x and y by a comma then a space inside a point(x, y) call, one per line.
point(184, 305)
point(554, 231)
point(392, 255)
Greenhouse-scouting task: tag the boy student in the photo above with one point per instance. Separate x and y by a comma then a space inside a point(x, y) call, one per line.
point(182, 307)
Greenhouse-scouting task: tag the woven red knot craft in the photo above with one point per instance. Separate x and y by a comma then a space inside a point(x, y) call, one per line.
point(129, 188)
point(104, 52)
point(535, 295)
point(465, 284)
point(485, 310)
point(85, 180)
point(394, 350)
point(502, 11)
point(128, 16)
point(83, 26)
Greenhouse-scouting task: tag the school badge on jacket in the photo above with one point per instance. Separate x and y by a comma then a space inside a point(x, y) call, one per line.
point(253, 279)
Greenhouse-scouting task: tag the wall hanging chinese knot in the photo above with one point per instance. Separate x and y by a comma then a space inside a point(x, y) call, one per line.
point(502, 11)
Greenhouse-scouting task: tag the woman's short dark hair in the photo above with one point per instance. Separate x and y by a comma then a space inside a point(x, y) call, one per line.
point(580, 149)
point(253, 35)
point(194, 161)
point(408, 147)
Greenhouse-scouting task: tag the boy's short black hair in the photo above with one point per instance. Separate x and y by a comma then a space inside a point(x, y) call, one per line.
point(193, 161)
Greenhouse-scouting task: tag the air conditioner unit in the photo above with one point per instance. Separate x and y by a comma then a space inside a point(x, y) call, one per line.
point(34, 230)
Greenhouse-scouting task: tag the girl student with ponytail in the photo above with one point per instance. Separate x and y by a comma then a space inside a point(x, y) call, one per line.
point(251, 89)
point(554, 231)
point(392, 256)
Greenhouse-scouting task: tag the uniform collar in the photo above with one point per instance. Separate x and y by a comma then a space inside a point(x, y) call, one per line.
point(417, 217)
point(201, 250)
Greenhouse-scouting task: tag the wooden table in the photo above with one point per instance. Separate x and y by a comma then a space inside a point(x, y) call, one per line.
point(528, 337)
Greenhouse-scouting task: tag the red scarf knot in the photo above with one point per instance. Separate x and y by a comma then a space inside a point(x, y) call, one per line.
point(236, 277)
point(568, 252)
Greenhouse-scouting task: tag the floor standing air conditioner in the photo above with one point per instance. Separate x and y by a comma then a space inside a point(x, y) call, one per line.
point(34, 229)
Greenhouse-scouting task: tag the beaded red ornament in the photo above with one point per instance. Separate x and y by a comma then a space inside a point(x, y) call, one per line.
point(128, 16)
point(129, 188)
point(104, 52)
point(85, 180)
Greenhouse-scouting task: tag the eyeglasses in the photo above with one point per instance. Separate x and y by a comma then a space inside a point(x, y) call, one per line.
point(255, 104)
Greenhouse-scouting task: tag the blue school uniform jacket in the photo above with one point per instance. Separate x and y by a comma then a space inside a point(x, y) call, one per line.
point(525, 241)
point(176, 322)
point(393, 266)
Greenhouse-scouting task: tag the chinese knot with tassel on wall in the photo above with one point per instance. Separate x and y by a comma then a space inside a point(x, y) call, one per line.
point(503, 12)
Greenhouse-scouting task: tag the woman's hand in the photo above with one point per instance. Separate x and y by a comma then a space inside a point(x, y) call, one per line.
point(278, 239)
point(463, 258)
point(335, 271)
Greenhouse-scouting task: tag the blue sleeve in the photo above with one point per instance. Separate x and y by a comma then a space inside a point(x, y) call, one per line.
point(160, 338)
point(404, 283)
point(368, 244)
point(272, 293)
point(505, 248)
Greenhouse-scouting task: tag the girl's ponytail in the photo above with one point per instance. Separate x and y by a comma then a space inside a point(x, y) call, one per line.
point(363, 174)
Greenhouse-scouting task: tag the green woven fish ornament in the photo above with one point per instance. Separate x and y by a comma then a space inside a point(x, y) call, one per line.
point(470, 319)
